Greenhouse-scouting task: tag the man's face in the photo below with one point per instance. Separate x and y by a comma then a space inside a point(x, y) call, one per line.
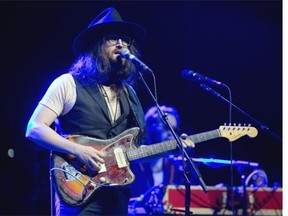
point(113, 44)
point(163, 133)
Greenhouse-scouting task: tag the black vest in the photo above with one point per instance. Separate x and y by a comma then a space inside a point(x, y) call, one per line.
point(89, 116)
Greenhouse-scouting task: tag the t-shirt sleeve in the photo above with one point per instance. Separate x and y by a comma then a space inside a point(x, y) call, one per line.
point(60, 95)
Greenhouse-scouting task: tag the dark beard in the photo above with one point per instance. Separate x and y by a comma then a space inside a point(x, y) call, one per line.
point(117, 72)
point(115, 75)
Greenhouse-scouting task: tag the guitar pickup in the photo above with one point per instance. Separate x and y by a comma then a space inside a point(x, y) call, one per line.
point(120, 157)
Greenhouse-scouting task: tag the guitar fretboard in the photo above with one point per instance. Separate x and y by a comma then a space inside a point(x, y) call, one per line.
point(163, 147)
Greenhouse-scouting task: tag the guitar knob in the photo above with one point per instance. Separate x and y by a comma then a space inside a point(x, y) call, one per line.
point(102, 179)
point(93, 185)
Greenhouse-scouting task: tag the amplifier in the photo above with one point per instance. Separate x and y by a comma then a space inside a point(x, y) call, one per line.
point(221, 201)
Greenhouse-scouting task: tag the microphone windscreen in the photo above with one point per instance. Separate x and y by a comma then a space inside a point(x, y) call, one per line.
point(124, 51)
point(187, 73)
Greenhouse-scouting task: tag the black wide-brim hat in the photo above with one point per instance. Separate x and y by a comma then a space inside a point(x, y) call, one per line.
point(107, 22)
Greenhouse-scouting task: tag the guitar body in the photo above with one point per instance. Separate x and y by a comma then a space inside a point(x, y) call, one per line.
point(76, 183)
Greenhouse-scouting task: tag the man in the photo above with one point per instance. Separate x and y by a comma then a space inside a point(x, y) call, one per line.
point(163, 169)
point(95, 99)
point(155, 175)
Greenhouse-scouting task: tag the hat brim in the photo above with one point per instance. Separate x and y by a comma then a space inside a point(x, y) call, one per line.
point(86, 38)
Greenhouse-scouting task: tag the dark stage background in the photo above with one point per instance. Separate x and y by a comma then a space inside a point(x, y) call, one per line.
point(236, 42)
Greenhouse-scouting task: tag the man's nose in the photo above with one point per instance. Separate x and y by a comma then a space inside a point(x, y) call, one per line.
point(119, 42)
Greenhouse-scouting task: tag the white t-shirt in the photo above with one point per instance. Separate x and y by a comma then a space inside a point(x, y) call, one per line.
point(60, 97)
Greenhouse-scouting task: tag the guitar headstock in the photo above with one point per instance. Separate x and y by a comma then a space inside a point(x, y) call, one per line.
point(235, 132)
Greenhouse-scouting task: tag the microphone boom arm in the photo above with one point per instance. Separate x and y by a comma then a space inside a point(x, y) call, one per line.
point(262, 127)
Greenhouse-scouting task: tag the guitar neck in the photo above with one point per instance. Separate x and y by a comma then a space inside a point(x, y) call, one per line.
point(201, 137)
point(164, 147)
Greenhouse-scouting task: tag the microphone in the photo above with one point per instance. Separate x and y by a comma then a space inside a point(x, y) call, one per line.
point(193, 76)
point(125, 53)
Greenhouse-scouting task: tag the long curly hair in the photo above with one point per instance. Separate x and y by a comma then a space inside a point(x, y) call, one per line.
point(94, 67)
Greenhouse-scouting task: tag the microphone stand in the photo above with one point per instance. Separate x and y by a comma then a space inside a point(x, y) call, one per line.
point(196, 172)
point(263, 127)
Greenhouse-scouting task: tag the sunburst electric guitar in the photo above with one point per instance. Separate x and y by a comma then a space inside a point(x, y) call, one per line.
point(76, 183)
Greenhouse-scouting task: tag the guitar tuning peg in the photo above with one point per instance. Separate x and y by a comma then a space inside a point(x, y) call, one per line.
point(230, 124)
point(234, 124)
point(249, 125)
point(225, 124)
point(239, 124)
